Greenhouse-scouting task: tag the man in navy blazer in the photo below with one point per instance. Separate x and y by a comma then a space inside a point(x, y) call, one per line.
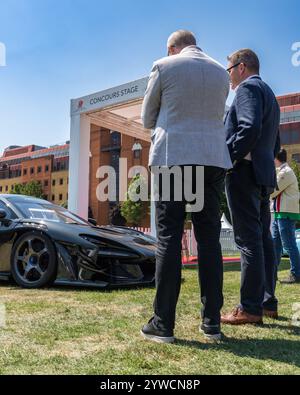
point(252, 127)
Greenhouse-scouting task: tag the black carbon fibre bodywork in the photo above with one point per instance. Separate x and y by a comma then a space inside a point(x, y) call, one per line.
point(86, 254)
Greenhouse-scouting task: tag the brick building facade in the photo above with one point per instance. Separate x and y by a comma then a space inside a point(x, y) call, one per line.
point(107, 148)
point(290, 125)
point(50, 166)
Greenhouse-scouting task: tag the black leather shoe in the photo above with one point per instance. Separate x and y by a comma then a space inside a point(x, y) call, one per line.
point(150, 332)
point(211, 332)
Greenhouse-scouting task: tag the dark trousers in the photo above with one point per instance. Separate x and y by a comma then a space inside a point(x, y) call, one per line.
point(251, 218)
point(170, 218)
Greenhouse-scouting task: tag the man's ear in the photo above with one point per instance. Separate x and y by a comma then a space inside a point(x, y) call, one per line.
point(177, 50)
point(243, 69)
point(174, 51)
point(171, 51)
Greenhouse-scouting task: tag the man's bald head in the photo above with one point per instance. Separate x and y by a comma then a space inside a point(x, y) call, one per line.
point(179, 40)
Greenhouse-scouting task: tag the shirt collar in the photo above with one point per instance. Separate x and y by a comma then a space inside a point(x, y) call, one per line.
point(191, 47)
point(247, 79)
point(282, 166)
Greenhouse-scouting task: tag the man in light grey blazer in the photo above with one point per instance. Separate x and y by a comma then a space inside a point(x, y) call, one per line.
point(184, 107)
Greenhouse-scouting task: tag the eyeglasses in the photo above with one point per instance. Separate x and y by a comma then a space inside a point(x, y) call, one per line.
point(232, 67)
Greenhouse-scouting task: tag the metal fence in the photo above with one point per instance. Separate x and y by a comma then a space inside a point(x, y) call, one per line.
point(227, 242)
point(189, 244)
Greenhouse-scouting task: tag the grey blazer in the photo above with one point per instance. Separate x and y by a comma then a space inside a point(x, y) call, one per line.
point(184, 106)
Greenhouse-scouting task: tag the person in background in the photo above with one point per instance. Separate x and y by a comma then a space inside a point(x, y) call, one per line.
point(285, 205)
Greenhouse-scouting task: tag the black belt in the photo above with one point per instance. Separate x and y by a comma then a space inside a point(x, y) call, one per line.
point(245, 162)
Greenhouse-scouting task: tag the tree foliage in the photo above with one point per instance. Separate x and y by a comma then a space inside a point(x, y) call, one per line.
point(224, 207)
point(32, 188)
point(296, 169)
point(134, 211)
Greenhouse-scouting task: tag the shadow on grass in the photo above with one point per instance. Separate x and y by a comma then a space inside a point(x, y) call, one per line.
point(74, 288)
point(291, 330)
point(236, 266)
point(281, 350)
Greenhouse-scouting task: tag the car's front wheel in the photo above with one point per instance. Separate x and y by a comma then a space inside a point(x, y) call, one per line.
point(33, 260)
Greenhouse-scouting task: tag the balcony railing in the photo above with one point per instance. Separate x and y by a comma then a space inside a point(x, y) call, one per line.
point(111, 147)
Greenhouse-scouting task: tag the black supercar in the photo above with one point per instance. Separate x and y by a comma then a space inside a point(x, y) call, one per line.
point(41, 243)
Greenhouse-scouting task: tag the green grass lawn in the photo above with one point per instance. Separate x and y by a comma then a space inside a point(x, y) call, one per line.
point(69, 331)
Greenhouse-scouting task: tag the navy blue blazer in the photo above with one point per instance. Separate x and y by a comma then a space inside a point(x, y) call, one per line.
point(252, 126)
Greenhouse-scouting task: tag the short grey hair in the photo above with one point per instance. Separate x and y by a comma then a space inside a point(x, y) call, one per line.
point(182, 39)
point(246, 56)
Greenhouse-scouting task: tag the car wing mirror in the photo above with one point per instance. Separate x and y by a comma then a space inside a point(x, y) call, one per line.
point(92, 222)
point(3, 214)
point(3, 218)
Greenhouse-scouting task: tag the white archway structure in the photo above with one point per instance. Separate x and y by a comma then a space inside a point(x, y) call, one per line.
point(117, 109)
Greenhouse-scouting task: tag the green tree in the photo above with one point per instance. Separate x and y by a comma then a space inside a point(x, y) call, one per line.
point(65, 205)
point(32, 188)
point(18, 189)
point(135, 211)
point(224, 207)
point(296, 169)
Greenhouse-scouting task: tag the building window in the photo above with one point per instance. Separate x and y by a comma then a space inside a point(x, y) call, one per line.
point(290, 137)
point(6, 188)
point(53, 183)
point(46, 183)
point(60, 197)
point(25, 172)
point(61, 181)
point(12, 187)
point(39, 169)
point(46, 168)
point(296, 158)
point(32, 170)
point(0, 189)
point(137, 154)
point(137, 150)
point(53, 198)
point(115, 138)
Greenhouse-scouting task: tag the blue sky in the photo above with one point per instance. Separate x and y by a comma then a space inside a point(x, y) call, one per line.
point(62, 49)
